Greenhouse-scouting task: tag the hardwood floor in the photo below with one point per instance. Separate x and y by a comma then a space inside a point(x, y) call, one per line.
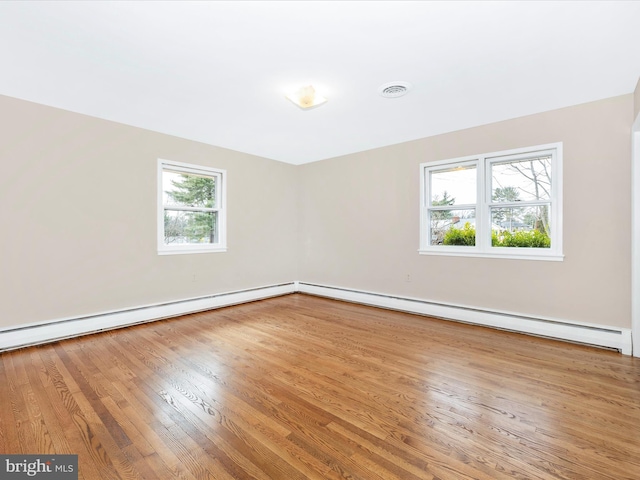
point(299, 387)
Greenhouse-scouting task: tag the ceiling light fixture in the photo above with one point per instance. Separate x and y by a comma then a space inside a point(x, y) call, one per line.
point(307, 98)
point(394, 89)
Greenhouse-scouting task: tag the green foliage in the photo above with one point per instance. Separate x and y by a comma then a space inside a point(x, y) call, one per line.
point(193, 227)
point(445, 200)
point(495, 240)
point(460, 236)
point(530, 239)
point(190, 227)
point(466, 236)
point(507, 214)
point(506, 194)
point(194, 191)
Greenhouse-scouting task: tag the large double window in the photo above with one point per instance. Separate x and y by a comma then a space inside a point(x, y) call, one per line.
point(501, 204)
point(191, 208)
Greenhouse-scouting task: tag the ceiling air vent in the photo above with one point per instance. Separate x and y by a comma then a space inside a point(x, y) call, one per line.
point(394, 89)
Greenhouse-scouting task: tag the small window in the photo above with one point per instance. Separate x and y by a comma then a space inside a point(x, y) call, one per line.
point(191, 212)
point(502, 204)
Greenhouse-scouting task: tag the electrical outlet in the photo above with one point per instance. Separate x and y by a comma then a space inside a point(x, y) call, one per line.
point(407, 278)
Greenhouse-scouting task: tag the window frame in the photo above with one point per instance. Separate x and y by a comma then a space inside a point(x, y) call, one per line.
point(484, 202)
point(220, 208)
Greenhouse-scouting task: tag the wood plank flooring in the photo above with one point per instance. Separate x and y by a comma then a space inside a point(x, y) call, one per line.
point(300, 387)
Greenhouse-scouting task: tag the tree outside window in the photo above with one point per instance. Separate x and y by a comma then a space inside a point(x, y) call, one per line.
point(494, 204)
point(191, 208)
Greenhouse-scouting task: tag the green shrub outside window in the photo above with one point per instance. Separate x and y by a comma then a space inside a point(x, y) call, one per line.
point(466, 236)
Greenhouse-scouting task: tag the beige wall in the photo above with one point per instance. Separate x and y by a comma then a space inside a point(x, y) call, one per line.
point(78, 212)
point(636, 100)
point(78, 217)
point(359, 220)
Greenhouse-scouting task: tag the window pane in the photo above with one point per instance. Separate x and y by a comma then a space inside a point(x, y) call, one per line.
point(188, 189)
point(521, 180)
point(456, 186)
point(521, 227)
point(182, 227)
point(453, 227)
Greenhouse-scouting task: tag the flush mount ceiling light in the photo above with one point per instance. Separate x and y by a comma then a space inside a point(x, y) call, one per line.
point(307, 98)
point(394, 89)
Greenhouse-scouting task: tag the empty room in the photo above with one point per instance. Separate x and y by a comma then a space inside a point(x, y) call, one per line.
point(364, 240)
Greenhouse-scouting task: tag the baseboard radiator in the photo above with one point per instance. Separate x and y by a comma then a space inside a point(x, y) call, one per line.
point(35, 334)
point(597, 335)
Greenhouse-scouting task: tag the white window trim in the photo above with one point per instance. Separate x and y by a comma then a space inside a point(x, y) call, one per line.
point(221, 201)
point(483, 247)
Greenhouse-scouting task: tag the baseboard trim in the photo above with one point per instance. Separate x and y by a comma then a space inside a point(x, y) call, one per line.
point(35, 334)
point(616, 338)
point(590, 334)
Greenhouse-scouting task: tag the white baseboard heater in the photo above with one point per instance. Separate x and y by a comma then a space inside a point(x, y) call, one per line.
point(34, 334)
point(596, 335)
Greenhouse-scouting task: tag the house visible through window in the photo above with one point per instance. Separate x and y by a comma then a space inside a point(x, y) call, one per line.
point(191, 212)
point(502, 204)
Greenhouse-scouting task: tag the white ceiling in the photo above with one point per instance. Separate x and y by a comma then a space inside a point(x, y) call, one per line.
point(218, 72)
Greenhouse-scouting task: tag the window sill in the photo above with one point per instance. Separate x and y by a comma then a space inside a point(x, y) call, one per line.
point(187, 250)
point(511, 255)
